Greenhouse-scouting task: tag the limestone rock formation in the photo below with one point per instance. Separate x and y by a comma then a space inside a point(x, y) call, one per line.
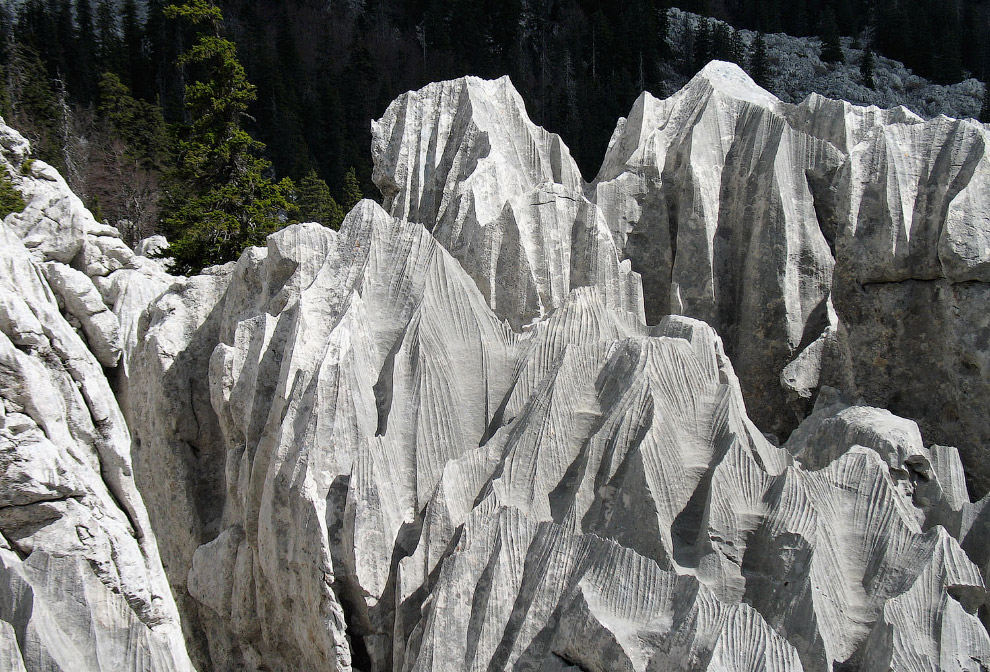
point(501, 194)
point(709, 194)
point(436, 489)
point(510, 420)
point(81, 579)
point(827, 243)
point(910, 208)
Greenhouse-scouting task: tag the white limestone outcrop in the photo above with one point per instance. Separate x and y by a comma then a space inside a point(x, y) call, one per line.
point(501, 194)
point(410, 484)
point(445, 437)
point(708, 194)
point(80, 572)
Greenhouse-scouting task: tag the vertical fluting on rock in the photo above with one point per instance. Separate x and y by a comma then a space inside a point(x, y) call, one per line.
point(444, 437)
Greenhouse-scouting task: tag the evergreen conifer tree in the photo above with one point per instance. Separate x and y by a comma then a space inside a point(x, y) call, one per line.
point(759, 63)
point(703, 44)
point(137, 122)
point(352, 190)
point(108, 35)
point(134, 70)
point(315, 202)
point(722, 42)
point(220, 200)
point(831, 46)
point(128, 148)
point(663, 30)
point(737, 50)
point(35, 106)
point(866, 67)
point(84, 64)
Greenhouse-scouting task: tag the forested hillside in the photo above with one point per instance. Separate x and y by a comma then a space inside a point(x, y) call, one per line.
point(96, 85)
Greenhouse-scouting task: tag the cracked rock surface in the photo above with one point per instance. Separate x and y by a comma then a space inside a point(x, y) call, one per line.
point(679, 418)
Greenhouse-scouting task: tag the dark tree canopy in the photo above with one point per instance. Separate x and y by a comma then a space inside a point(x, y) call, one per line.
point(759, 64)
point(831, 46)
point(866, 67)
point(315, 203)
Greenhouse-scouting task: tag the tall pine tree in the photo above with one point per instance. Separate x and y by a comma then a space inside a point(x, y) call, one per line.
point(831, 46)
point(352, 190)
point(220, 200)
point(108, 35)
point(866, 67)
point(315, 202)
point(759, 62)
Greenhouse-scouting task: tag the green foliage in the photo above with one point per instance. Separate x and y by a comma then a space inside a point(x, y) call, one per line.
point(137, 122)
point(352, 190)
point(27, 167)
point(221, 200)
point(217, 225)
point(866, 67)
point(109, 53)
point(10, 198)
point(128, 150)
point(315, 203)
point(35, 109)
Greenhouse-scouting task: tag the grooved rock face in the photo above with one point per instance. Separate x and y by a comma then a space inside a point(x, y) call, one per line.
point(709, 194)
point(910, 208)
point(501, 194)
point(436, 489)
point(446, 438)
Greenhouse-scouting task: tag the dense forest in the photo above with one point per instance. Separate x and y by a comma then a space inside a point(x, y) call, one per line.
point(103, 87)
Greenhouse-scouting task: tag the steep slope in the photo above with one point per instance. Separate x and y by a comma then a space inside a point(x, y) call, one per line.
point(708, 194)
point(910, 208)
point(424, 479)
point(827, 243)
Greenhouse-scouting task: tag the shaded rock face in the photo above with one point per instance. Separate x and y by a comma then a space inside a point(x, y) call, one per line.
point(911, 213)
point(510, 420)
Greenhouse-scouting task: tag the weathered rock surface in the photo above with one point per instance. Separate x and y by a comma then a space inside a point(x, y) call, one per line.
point(445, 437)
point(910, 208)
point(80, 575)
point(501, 194)
point(412, 485)
point(826, 243)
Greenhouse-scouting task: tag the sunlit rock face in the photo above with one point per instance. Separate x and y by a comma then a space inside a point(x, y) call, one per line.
point(81, 579)
point(510, 420)
point(709, 194)
point(501, 194)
